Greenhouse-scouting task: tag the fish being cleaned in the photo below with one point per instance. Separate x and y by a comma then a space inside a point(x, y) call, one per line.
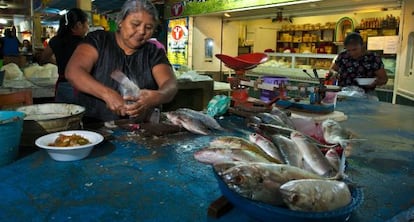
point(220, 155)
point(190, 124)
point(260, 181)
point(209, 121)
point(313, 155)
point(267, 146)
point(290, 152)
point(315, 195)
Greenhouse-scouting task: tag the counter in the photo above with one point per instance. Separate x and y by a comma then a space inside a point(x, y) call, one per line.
point(131, 178)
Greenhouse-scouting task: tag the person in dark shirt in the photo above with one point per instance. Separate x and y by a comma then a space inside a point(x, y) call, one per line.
point(10, 43)
point(356, 62)
point(72, 29)
point(126, 50)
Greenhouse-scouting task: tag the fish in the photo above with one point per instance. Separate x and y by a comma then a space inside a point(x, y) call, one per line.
point(333, 133)
point(271, 119)
point(260, 181)
point(210, 155)
point(333, 158)
point(190, 124)
point(290, 152)
point(283, 116)
point(209, 121)
point(233, 142)
point(315, 195)
point(267, 146)
point(313, 155)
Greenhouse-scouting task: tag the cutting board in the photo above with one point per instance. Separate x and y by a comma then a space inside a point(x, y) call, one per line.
point(335, 115)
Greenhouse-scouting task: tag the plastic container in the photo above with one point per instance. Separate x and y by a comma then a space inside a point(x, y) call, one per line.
point(267, 95)
point(11, 127)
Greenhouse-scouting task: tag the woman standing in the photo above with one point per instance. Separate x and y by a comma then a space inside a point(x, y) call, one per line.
point(127, 50)
point(72, 28)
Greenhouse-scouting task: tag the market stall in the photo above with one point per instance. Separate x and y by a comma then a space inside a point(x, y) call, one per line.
point(131, 177)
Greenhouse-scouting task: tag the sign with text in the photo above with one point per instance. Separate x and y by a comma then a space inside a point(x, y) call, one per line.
point(177, 42)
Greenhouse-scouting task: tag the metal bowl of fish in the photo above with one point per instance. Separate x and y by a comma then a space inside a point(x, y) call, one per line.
point(267, 212)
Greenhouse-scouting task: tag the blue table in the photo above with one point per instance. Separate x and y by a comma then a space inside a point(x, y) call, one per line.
point(132, 178)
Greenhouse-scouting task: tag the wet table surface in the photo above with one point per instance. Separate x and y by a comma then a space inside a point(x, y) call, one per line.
point(131, 178)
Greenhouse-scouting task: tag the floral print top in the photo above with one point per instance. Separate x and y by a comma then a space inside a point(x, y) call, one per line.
point(362, 67)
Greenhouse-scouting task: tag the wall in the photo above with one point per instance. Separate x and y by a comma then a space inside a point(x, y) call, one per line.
point(206, 27)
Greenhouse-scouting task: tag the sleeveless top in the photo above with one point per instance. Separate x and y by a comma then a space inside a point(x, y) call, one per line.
point(138, 68)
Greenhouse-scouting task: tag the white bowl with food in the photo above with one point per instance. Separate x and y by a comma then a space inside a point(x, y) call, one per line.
point(365, 81)
point(69, 145)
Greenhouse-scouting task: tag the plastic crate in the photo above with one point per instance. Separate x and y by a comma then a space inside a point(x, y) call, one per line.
point(266, 95)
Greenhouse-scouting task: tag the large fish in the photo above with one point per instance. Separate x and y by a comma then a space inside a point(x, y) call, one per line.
point(267, 146)
point(190, 124)
point(220, 155)
point(290, 152)
point(233, 142)
point(315, 195)
point(260, 181)
point(209, 121)
point(313, 155)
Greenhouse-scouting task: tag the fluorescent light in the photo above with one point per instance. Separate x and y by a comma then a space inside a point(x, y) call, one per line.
point(3, 21)
point(276, 5)
point(227, 15)
point(62, 12)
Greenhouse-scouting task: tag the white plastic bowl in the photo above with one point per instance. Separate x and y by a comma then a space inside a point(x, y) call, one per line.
point(365, 81)
point(69, 153)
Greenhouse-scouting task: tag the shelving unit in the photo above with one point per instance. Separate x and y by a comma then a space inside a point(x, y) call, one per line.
point(306, 41)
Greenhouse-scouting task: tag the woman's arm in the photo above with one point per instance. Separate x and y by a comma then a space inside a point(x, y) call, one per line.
point(382, 77)
point(78, 74)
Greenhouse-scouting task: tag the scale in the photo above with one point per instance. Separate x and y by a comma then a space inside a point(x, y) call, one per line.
point(244, 105)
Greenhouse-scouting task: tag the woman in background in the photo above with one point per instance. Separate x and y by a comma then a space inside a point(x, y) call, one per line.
point(73, 26)
point(356, 62)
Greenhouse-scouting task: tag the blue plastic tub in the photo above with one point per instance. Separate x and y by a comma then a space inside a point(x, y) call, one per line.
point(265, 212)
point(11, 127)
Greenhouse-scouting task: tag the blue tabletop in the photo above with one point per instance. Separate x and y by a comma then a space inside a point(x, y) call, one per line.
point(136, 178)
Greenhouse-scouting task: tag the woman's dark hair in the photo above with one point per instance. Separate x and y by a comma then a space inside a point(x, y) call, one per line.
point(137, 6)
point(69, 20)
point(353, 38)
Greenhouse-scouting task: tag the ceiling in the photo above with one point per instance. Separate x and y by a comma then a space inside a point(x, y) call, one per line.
point(9, 8)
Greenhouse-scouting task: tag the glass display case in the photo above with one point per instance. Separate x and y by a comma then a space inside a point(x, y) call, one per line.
point(294, 64)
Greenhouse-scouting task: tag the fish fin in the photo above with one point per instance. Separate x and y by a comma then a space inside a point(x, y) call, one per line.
point(341, 169)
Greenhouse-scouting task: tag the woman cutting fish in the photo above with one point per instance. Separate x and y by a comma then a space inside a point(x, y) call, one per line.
point(356, 62)
point(127, 50)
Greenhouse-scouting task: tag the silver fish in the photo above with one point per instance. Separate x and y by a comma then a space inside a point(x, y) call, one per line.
point(219, 155)
point(209, 121)
point(315, 195)
point(282, 115)
point(290, 152)
point(261, 181)
point(333, 133)
point(313, 155)
point(267, 146)
point(271, 119)
point(333, 158)
point(190, 124)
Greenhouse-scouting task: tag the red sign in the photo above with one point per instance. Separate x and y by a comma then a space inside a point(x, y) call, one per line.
point(177, 32)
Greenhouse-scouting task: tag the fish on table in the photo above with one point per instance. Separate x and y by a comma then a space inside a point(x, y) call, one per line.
point(267, 146)
point(193, 121)
point(210, 155)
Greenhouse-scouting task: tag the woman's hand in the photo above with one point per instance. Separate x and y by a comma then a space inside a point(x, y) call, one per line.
point(146, 100)
point(115, 102)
